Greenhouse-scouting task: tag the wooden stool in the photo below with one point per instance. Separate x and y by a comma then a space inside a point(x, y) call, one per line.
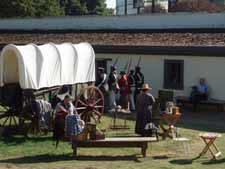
point(209, 139)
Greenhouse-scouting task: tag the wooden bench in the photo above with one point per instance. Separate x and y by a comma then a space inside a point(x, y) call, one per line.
point(115, 142)
point(211, 102)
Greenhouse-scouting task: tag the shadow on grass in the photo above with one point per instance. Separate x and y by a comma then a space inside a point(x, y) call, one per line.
point(160, 157)
point(108, 158)
point(182, 161)
point(14, 140)
point(214, 161)
point(202, 121)
point(37, 159)
point(45, 158)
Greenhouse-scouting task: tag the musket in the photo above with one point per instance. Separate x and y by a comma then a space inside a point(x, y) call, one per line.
point(116, 61)
point(139, 61)
point(125, 67)
point(129, 66)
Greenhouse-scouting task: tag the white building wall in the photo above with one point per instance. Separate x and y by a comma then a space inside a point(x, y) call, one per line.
point(156, 21)
point(211, 68)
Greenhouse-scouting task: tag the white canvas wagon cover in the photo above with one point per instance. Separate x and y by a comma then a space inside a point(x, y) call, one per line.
point(47, 65)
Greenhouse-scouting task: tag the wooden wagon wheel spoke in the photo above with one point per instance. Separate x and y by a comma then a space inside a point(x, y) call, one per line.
point(91, 98)
point(97, 113)
point(10, 121)
point(84, 104)
point(81, 108)
point(5, 121)
point(99, 106)
point(15, 122)
point(97, 101)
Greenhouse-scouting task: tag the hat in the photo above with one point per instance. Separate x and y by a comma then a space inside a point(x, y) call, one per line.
point(68, 97)
point(146, 87)
point(113, 67)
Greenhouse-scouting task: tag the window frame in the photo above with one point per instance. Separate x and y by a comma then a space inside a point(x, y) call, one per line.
point(166, 83)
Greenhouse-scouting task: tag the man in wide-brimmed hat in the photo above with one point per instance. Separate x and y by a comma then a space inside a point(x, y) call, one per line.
point(144, 109)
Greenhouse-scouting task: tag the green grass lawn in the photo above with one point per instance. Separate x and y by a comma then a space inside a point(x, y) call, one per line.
point(39, 152)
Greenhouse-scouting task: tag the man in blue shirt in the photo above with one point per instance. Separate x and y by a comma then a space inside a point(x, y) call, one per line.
point(203, 89)
point(199, 93)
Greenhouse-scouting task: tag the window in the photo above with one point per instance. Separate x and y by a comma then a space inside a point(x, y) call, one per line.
point(138, 3)
point(174, 74)
point(135, 3)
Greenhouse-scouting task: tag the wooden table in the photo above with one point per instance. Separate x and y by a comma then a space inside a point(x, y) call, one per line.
point(209, 140)
point(115, 142)
point(170, 120)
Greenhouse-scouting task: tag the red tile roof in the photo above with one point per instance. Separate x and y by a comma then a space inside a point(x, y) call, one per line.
point(123, 39)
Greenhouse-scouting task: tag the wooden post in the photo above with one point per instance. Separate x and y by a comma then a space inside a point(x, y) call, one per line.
point(74, 147)
point(144, 149)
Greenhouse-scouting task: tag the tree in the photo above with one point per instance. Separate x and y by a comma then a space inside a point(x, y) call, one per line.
point(48, 8)
point(30, 8)
point(85, 7)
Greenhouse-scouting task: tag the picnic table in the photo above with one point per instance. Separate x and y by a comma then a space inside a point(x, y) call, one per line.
point(115, 142)
point(212, 102)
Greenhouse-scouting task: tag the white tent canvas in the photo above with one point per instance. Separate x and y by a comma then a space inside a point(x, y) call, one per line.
point(47, 65)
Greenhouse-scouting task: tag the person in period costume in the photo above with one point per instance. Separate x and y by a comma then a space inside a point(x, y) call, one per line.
point(199, 93)
point(131, 82)
point(139, 81)
point(113, 87)
point(73, 124)
point(101, 80)
point(124, 91)
point(144, 105)
point(61, 111)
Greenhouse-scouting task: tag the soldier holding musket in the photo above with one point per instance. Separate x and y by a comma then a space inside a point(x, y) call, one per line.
point(131, 82)
point(113, 87)
point(139, 80)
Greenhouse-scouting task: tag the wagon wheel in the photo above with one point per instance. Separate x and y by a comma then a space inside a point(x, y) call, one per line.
point(8, 118)
point(90, 104)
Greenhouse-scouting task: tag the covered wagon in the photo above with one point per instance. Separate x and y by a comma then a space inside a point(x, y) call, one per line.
point(40, 71)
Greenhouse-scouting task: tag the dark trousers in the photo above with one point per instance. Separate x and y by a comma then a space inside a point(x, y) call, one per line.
point(136, 93)
point(197, 99)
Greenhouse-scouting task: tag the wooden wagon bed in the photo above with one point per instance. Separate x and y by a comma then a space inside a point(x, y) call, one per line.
point(115, 142)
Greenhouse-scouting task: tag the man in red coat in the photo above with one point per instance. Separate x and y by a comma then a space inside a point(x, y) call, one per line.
point(124, 91)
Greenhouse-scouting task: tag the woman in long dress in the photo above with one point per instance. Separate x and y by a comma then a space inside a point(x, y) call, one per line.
point(144, 110)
